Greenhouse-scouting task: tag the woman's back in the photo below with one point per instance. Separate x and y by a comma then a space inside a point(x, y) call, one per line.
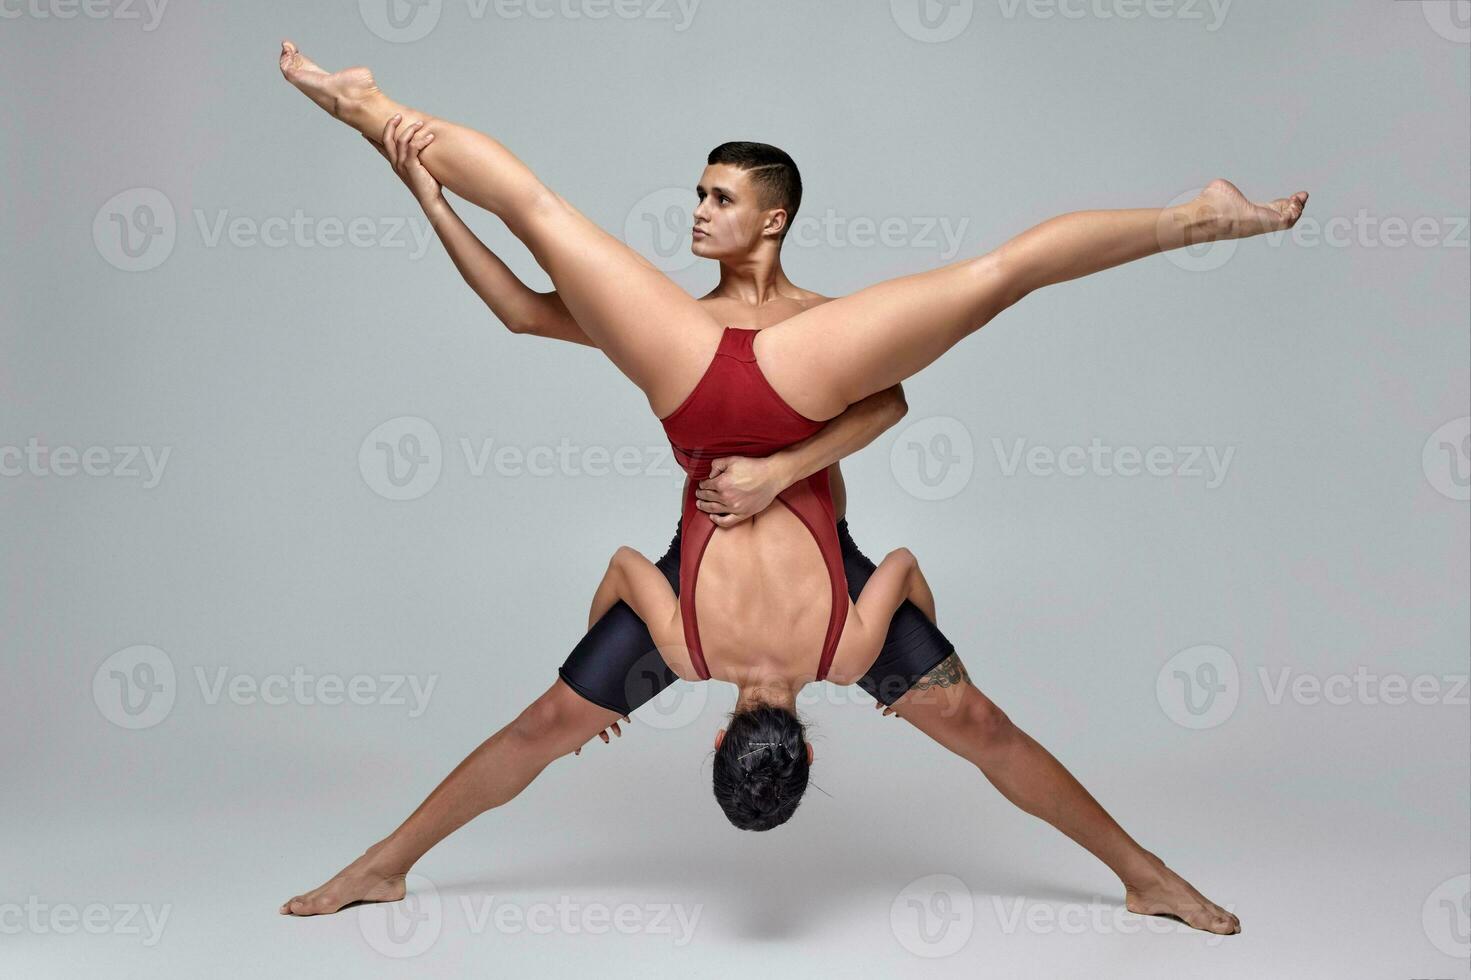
point(763, 599)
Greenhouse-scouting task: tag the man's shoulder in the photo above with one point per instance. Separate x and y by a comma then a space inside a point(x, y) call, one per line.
point(808, 298)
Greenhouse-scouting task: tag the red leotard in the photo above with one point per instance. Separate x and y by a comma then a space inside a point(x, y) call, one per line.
point(734, 411)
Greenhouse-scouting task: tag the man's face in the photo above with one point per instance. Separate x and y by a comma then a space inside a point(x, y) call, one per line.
point(729, 220)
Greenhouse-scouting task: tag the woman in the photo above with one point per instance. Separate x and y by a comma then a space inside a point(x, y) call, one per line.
point(762, 600)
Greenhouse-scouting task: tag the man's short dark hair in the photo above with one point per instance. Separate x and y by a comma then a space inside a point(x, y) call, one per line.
point(772, 170)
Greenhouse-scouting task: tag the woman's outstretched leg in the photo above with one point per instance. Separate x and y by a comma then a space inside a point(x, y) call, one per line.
point(947, 707)
point(655, 332)
point(555, 724)
point(824, 359)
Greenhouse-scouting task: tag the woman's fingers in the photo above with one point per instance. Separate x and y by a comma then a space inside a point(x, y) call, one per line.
point(390, 143)
point(405, 136)
point(604, 734)
point(411, 152)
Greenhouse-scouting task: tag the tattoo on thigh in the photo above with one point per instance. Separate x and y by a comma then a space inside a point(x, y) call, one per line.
point(948, 673)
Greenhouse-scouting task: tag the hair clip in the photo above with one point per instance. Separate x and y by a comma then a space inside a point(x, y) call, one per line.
point(759, 746)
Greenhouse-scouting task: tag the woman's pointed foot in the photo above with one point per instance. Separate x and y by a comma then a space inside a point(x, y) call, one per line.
point(344, 94)
point(1227, 212)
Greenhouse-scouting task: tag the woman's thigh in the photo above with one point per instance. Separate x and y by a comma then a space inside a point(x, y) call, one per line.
point(826, 358)
point(651, 329)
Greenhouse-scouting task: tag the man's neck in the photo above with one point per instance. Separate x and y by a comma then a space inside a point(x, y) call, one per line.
point(753, 280)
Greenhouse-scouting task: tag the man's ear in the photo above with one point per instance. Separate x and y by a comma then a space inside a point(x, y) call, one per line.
point(776, 222)
point(719, 737)
point(810, 753)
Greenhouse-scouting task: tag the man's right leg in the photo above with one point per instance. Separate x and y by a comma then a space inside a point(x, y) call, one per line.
point(614, 670)
point(552, 726)
point(655, 332)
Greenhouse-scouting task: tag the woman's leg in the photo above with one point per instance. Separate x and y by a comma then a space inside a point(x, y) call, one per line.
point(655, 332)
point(947, 707)
point(555, 724)
point(824, 359)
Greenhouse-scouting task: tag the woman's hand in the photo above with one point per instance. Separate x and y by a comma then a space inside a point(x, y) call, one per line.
point(739, 487)
point(604, 734)
point(400, 146)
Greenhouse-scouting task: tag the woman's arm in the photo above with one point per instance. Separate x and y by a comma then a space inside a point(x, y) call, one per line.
point(518, 306)
point(633, 579)
point(740, 487)
point(896, 579)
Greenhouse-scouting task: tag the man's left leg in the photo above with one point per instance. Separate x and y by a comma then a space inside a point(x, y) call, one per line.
point(919, 677)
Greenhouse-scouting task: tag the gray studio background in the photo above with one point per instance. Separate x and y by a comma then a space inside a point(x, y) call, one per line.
point(179, 278)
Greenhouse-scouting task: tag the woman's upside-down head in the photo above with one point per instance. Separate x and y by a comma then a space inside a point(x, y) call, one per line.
point(761, 763)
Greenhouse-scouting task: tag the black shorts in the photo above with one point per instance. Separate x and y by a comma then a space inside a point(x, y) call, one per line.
point(616, 666)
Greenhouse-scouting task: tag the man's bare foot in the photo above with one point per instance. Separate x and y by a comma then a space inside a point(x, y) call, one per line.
point(1166, 893)
point(344, 94)
point(362, 881)
point(1227, 213)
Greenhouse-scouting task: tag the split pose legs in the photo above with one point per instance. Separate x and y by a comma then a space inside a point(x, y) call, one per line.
point(823, 359)
point(820, 361)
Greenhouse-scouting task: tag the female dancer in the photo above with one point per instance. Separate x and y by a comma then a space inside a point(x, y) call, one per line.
point(663, 340)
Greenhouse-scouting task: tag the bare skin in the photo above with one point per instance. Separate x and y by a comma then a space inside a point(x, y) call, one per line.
point(825, 358)
point(902, 326)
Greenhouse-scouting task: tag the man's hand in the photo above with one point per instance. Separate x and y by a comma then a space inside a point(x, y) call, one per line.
point(740, 487)
point(604, 735)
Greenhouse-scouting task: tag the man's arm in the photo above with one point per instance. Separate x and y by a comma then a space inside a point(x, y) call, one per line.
point(741, 487)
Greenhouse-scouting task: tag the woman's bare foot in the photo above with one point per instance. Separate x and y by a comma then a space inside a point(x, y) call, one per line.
point(1166, 893)
point(362, 881)
point(344, 94)
point(1227, 212)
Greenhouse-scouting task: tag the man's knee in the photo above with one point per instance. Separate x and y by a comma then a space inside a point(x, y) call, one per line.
point(550, 720)
point(986, 726)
